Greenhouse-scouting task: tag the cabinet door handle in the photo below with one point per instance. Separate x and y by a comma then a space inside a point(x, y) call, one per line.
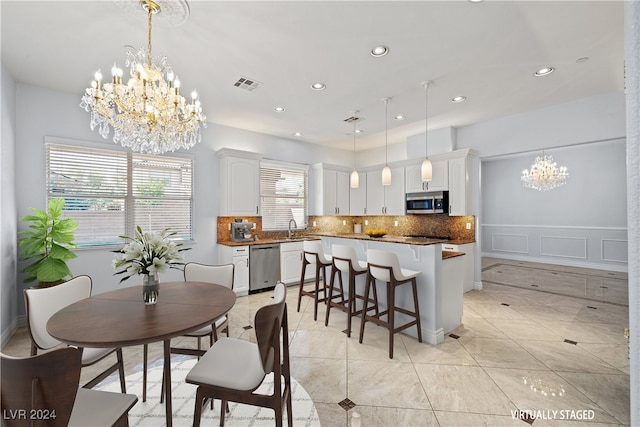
point(247, 262)
point(257, 212)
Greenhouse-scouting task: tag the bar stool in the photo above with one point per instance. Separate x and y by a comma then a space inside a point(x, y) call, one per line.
point(345, 260)
point(313, 254)
point(385, 266)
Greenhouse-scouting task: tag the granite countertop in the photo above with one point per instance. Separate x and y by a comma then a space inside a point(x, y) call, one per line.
point(268, 241)
point(387, 238)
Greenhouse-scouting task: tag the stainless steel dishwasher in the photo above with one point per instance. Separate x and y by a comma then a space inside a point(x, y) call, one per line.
point(264, 271)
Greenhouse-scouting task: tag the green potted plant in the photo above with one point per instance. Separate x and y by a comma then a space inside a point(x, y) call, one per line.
point(47, 245)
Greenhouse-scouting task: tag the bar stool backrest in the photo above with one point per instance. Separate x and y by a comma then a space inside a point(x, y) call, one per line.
point(314, 247)
point(383, 258)
point(344, 252)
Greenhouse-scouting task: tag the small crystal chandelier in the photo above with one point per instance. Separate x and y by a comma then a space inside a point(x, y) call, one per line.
point(355, 178)
point(544, 174)
point(148, 114)
point(426, 171)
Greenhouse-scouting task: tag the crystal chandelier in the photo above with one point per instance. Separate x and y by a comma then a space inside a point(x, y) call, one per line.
point(544, 174)
point(148, 114)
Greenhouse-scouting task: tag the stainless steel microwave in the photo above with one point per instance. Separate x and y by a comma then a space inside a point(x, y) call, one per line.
point(427, 202)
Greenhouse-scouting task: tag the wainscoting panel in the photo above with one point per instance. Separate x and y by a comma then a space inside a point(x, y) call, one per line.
point(517, 243)
point(566, 247)
point(615, 250)
point(603, 248)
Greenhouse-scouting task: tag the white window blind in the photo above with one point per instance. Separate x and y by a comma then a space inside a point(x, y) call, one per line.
point(283, 192)
point(109, 192)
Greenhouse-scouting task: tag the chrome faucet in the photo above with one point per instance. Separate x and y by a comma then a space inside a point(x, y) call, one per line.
point(294, 223)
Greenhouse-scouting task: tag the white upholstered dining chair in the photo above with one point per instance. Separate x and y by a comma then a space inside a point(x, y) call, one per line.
point(43, 303)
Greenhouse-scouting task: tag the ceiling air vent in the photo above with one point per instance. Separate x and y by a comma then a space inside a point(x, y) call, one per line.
point(247, 84)
point(353, 119)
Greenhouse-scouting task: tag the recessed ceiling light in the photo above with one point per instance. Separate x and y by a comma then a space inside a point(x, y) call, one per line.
point(359, 131)
point(544, 71)
point(459, 98)
point(475, 1)
point(399, 117)
point(379, 51)
point(297, 134)
point(279, 109)
point(318, 86)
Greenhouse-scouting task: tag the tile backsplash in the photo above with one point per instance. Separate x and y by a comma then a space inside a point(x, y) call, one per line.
point(455, 227)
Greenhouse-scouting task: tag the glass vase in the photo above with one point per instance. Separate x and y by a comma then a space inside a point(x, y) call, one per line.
point(150, 288)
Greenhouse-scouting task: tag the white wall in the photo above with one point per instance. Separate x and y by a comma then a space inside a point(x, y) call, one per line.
point(8, 226)
point(581, 223)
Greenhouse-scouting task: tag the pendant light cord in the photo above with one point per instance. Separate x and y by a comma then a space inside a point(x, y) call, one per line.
point(386, 132)
point(426, 118)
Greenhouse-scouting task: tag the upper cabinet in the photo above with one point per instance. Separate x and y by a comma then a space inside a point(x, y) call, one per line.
point(358, 197)
point(439, 181)
point(330, 190)
point(239, 182)
point(461, 169)
point(386, 199)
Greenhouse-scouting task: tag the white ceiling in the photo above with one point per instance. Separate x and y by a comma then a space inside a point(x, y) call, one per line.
point(486, 51)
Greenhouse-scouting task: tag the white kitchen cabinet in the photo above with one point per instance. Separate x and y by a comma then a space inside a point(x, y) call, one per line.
point(461, 170)
point(331, 190)
point(386, 199)
point(468, 261)
point(239, 183)
point(291, 263)
point(239, 257)
point(358, 197)
point(439, 181)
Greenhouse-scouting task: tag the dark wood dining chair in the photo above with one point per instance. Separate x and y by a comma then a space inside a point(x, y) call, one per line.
point(43, 303)
point(43, 390)
point(233, 369)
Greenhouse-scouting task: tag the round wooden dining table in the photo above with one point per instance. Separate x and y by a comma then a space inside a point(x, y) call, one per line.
point(120, 318)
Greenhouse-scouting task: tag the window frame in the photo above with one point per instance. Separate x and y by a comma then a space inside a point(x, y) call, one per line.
point(285, 166)
point(129, 206)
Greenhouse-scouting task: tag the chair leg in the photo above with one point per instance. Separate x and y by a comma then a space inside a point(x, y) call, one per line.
point(302, 274)
point(391, 309)
point(223, 405)
point(367, 286)
point(145, 353)
point(334, 270)
point(416, 308)
point(197, 412)
point(123, 384)
point(317, 292)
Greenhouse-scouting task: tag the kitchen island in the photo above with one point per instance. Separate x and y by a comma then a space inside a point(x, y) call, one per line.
point(439, 284)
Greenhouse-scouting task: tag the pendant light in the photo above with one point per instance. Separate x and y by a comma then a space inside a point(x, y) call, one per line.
point(426, 170)
point(355, 178)
point(386, 171)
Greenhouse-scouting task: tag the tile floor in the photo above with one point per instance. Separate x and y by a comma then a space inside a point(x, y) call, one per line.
point(551, 355)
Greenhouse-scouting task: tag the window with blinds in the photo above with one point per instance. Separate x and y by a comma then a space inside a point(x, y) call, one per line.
point(283, 195)
point(109, 192)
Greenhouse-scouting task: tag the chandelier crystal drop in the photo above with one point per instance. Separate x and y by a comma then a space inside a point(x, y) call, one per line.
point(544, 175)
point(148, 114)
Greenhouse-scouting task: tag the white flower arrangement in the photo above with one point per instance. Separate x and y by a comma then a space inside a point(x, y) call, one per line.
point(149, 253)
